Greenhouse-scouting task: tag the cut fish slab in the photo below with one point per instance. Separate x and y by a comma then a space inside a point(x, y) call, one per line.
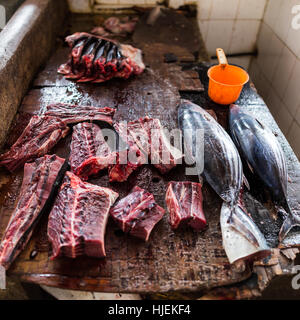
point(148, 135)
point(137, 213)
point(39, 182)
point(71, 113)
point(38, 138)
point(90, 153)
point(97, 59)
point(77, 222)
point(184, 201)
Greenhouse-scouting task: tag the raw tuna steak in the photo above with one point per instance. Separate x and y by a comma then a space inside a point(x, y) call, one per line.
point(87, 142)
point(37, 190)
point(147, 135)
point(90, 154)
point(137, 213)
point(163, 155)
point(69, 113)
point(97, 59)
point(38, 138)
point(78, 219)
point(120, 171)
point(184, 202)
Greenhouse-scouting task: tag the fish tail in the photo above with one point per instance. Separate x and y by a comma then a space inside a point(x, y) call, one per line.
point(236, 221)
point(290, 221)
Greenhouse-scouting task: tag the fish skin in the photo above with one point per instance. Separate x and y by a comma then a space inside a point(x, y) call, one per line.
point(222, 163)
point(263, 153)
point(223, 170)
point(238, 228)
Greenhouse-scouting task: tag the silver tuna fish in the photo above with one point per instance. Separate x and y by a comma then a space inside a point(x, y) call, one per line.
point(223, 171)
point(260, 148)
point(222, 163)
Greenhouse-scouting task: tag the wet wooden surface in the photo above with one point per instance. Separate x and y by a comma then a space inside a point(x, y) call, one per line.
point(171, 261)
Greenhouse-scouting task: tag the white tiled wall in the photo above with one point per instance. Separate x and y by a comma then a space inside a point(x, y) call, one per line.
point(92, 5)
point(231, 24)
point(276, 70)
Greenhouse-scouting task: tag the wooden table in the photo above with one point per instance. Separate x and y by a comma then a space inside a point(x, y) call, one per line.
point(180, 261)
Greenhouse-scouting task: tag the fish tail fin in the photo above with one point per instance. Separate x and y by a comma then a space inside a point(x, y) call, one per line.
point(290, 221)
point(237, 223)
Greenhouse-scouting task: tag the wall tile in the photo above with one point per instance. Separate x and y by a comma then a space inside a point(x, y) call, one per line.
point(241, 61)
point(298, 117)
point(293, 41)
point(269, 51)
point(283, 71)
point(292, 96)
point(272, 100)
point(203, 26)
point(204, 9)
point(224, 9)
point(244, 36)
point(219, 35)
point(272, 12)
point(284, 19)
point(134, 2)
point(261, 83)
point(283, 118)
point(176, 3)
point(253, 9)
point(293, 138)
point(108, 2)
point(265, 32)
point(80, 6)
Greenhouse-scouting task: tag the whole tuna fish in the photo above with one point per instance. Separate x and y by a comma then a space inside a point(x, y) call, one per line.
point(222, 164)
point(222, 168)
point(260, 148)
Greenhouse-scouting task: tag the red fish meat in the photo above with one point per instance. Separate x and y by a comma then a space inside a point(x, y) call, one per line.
point(184, 202)
point(98, 59)
point(37, 190)
point(137, 213)
point(38, 138)
point(78, 219)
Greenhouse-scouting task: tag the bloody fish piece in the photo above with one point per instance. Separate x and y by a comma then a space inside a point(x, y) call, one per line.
point(87, 141)
point(184, 202)
point(37, 190)
point(77, 221)
point(137, 213)
point(87, 60)
point(71, 113)
point(109, 59)
point(38, 138)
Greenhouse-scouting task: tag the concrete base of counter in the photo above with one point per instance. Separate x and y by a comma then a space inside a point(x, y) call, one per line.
point(26, 42)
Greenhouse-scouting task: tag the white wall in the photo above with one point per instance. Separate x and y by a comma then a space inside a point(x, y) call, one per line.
point(276, 70)
point(85, 6)
point(232, 25)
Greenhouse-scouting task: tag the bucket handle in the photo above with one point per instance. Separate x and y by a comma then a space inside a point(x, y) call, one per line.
point(222, 57)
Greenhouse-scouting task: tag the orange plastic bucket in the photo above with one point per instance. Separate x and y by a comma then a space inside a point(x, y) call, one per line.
point(225, 81)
